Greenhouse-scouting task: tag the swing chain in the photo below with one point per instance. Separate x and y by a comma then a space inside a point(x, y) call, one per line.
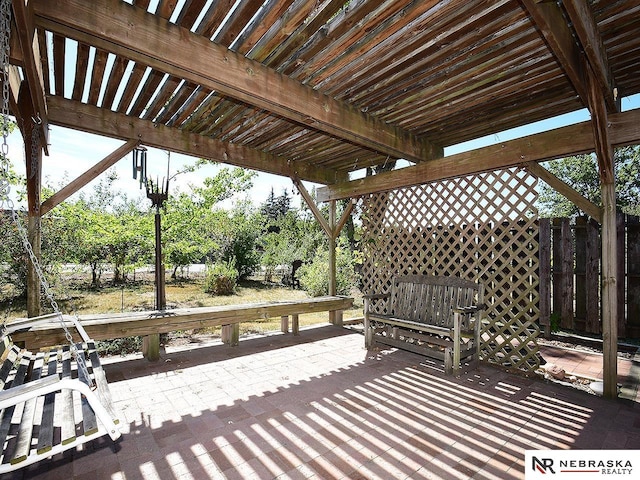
point(5, 186)
point(5, 25)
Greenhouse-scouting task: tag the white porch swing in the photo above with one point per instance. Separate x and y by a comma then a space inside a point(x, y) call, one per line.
point(58, 398)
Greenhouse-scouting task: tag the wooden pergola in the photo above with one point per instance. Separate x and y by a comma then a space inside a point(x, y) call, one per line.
point(318, 89)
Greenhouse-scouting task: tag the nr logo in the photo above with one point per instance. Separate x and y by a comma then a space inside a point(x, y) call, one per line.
point(543, 465)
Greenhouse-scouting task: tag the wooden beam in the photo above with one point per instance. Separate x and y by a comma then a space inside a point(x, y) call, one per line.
point(14, 91)
point(563, 188)
point(32, 67)
point(604, 153)
point(88, 118)
point(130, 32)
point(571, 140)
point(344, 218)
point(75, 185)
point(586, 29)
point(313, 207)
point(549, 19)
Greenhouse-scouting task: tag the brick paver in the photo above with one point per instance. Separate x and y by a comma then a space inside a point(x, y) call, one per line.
point(319, 406)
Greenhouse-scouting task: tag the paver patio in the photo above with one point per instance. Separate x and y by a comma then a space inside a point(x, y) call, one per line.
point(320, 406)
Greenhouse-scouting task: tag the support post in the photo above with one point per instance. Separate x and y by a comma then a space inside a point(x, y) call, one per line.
point(34, 294)
point(609, 292)
point(33, 158)
point(151, 347)
point(332, 257)
point(284, 323)
point(604, 153)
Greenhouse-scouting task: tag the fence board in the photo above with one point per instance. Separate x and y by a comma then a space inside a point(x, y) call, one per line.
point(592, 278)
point(633, 277)
point(621, 284)
point(566, 300)
point(575, 292)
point(544, 274)
point(581, 273)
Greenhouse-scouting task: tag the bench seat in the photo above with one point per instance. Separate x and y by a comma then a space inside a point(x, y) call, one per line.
point(434, 316)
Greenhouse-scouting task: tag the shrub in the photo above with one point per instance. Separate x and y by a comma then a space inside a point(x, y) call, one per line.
point(120, 346)
point(221, 278)
point(314, 277)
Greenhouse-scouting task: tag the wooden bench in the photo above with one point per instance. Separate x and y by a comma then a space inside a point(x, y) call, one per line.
point(48, 404)
point(435, 316)
point(146, 323)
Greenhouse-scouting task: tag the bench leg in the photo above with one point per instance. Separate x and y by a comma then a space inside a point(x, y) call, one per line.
point(394, 332)
point(225, 334)
point(231, 334)
point(335, 317)
point(368, 333)
point(448, 361)
point(151, 347)
point(284, 323)
point(457, 325)
point(295, 324)
point(235, 335)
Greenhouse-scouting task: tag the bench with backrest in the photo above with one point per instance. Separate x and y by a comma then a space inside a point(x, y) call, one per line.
point(435, 316)
point(48, 404)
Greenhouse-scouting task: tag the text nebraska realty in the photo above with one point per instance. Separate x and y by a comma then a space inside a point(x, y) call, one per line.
point(606, 467)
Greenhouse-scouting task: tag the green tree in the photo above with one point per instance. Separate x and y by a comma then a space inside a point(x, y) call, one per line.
point(107, 228)
point(184, 235)
point(192, 223)
point(236, 232)
point(581, 173)
point(314, 276)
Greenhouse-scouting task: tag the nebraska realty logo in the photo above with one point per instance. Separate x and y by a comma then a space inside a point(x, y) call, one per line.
point(581, 464)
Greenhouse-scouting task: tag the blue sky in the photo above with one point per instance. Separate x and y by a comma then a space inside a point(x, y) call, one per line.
point(72, 153)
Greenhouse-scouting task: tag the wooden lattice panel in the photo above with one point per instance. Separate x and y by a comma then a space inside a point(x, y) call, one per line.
point(482, 228)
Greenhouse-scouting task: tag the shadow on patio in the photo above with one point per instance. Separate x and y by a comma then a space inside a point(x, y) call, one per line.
point(320, 406)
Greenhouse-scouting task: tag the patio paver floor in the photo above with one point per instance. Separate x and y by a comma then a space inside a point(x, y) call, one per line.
point(320, 406)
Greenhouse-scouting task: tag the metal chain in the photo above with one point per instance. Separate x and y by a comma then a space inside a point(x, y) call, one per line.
point(5, 187)
point(5, 25)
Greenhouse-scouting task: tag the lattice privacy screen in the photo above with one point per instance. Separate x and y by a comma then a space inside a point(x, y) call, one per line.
point(483, 228)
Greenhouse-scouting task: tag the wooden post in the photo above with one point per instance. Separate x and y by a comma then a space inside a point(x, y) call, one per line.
point(151, 347)
point(33, 159)
point(33, 282)
point(604, 152)
point(235, 335)
point(225, 333)
point(332, 256)
point(609, 292)
point(295, 324)
point(332, 228)
point(284, 323)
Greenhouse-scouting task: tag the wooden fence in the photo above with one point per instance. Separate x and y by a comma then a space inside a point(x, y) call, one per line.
point(570, 275)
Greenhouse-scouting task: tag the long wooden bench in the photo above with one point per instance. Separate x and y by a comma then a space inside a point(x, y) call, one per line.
point(145, 323)
point(434, 316)
point(48, 404)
